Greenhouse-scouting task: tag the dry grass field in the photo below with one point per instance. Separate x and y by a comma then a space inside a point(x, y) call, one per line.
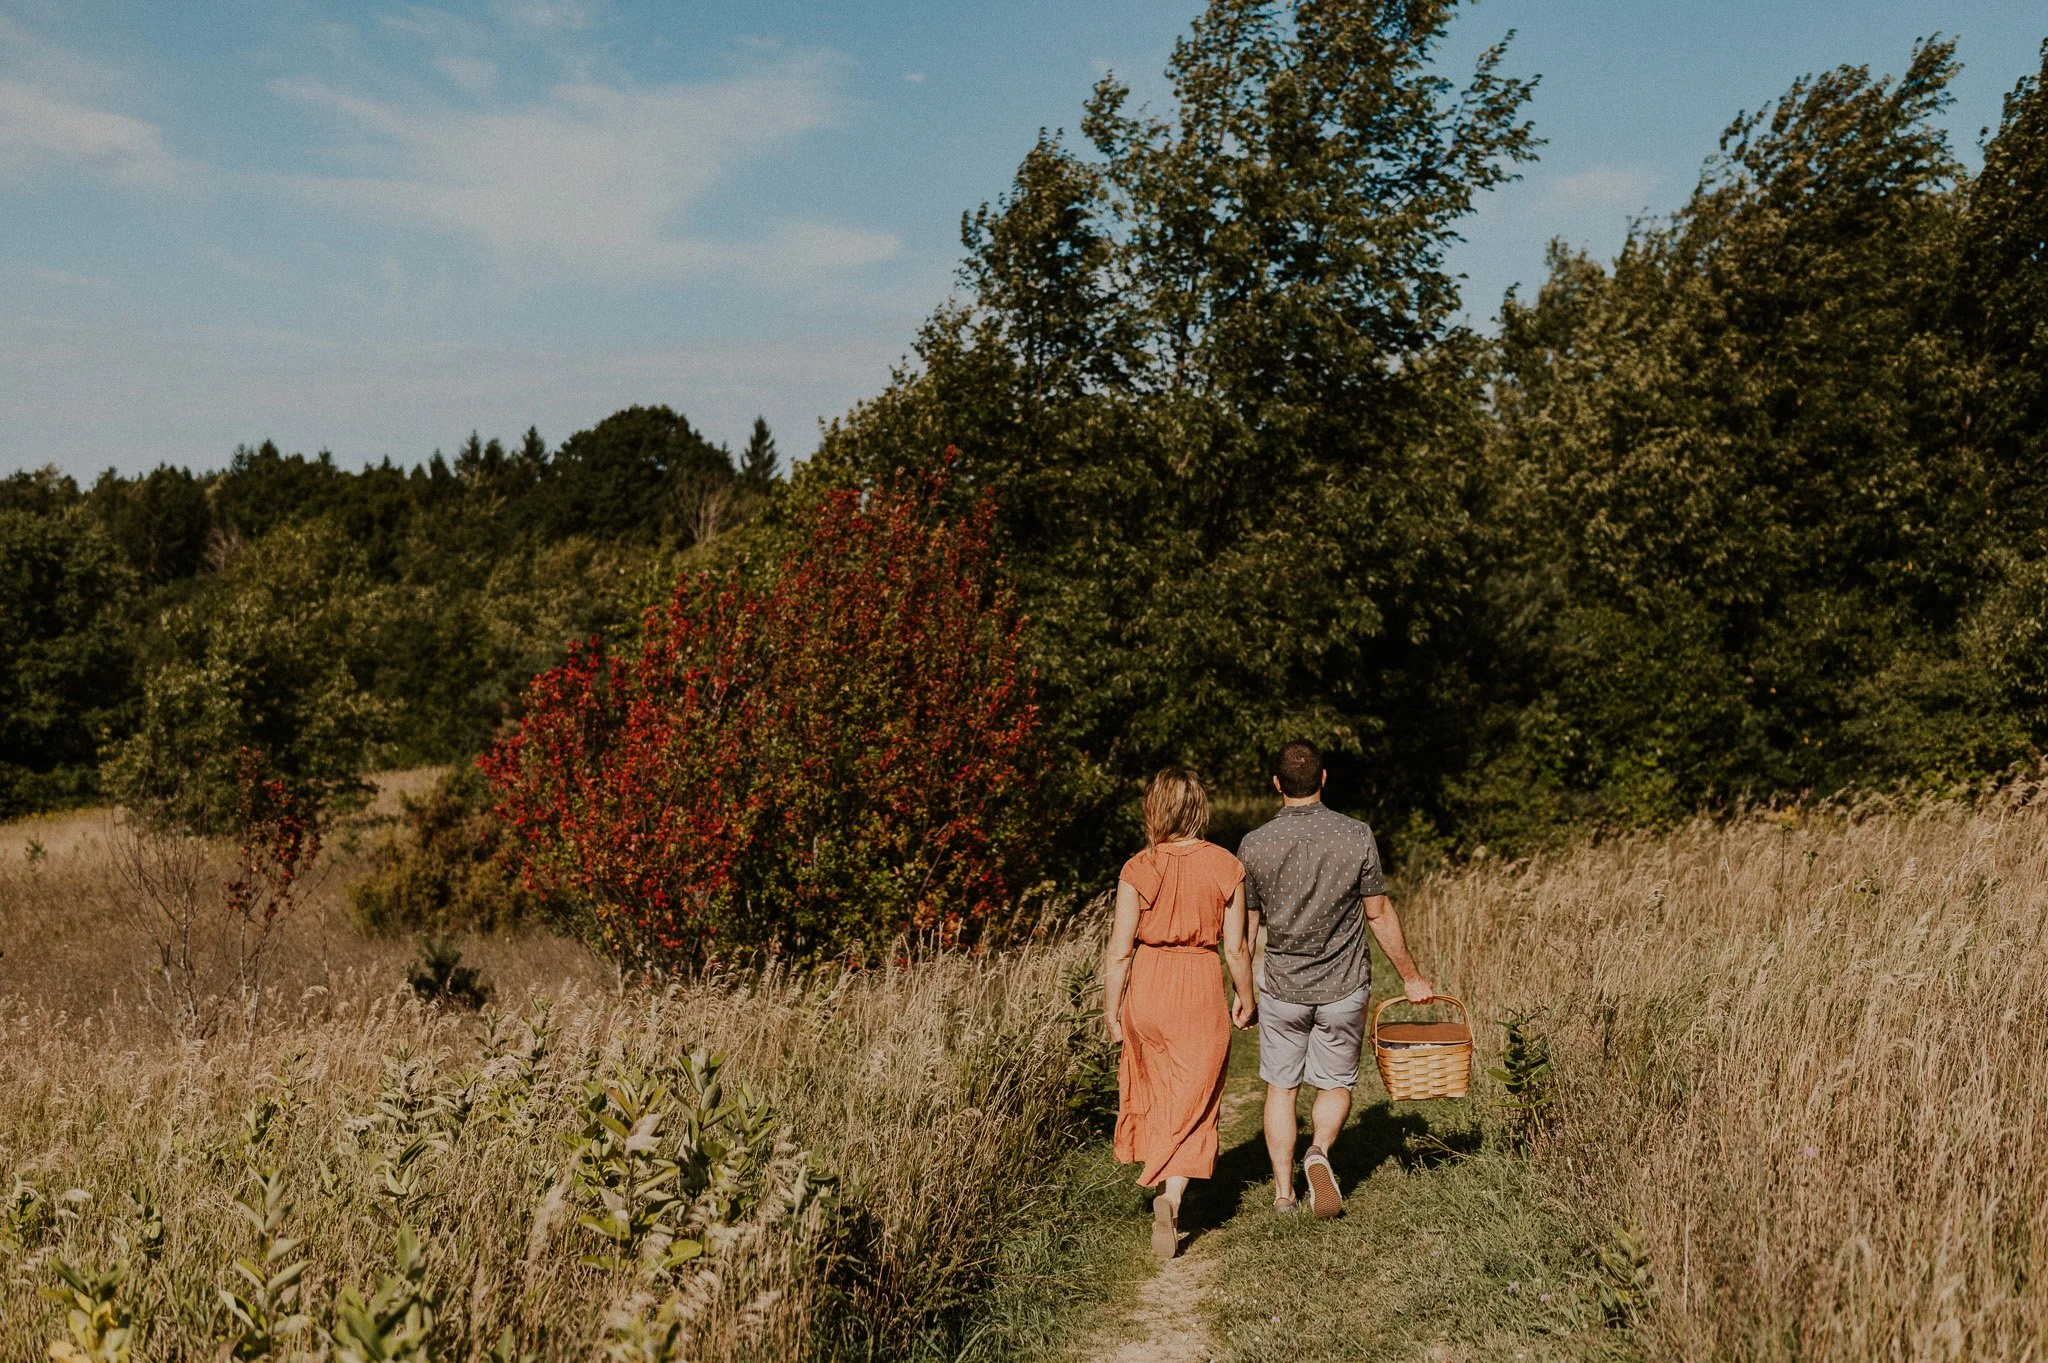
point(840, 1186)
point(1800, 1112)
point(1801, 1064)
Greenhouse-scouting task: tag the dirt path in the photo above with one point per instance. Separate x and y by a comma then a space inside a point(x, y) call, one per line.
point(1167, 1320)
point(1168, 1317)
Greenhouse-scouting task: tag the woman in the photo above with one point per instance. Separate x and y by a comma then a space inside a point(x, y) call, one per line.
point(1175, 901)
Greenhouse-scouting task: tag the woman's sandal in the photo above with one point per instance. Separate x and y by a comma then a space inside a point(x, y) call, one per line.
point(1165, 1228)
point(1286, 1206)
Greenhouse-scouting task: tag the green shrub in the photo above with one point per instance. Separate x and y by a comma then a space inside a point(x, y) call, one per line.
point(449, 871)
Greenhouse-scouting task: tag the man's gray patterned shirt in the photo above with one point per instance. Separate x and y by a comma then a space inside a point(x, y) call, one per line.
point(1307, 871)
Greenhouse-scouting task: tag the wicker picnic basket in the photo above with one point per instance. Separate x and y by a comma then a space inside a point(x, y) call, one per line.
point(1423, 1059)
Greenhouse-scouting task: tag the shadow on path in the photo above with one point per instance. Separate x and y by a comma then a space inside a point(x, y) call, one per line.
point(1375, 1135)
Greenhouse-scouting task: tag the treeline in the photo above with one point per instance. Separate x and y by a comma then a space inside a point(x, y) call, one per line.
point(330, 618)
point(1755, 509)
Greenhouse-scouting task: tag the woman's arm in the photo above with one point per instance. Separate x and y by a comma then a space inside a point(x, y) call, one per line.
point(1237, 954)
point(1116, 963)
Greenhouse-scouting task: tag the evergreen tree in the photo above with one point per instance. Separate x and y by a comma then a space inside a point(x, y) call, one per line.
point(757, 461)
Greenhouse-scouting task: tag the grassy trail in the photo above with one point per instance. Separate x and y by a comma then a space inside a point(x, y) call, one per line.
point(1446, 1252)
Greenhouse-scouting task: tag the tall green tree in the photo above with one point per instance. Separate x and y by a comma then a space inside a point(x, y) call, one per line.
point(66, 670)
point(274, 656)
point(1750, 513)
point(1213, 373)
point(758, 459)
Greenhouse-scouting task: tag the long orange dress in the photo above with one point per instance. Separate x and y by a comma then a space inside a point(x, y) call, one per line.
point(1175, 1019)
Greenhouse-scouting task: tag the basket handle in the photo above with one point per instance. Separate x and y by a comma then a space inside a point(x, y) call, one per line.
point(1390, 1001)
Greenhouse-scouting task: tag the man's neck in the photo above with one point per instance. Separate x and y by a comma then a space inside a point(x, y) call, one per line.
point(1297, 801)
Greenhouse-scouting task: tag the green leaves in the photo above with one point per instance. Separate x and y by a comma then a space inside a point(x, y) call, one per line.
point(675, 1167)
point(263, 1309)
point(272, 657)
point(100, 1325)
point(1213, 378)
point(1525, 1074)
point(396, 1323)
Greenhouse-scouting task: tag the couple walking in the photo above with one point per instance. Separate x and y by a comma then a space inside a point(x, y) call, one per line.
point(1313, 877)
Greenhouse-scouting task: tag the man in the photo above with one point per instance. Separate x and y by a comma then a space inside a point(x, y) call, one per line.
point(1313, 876)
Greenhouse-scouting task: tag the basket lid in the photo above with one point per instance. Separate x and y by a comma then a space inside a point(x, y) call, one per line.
point(1424, 1034)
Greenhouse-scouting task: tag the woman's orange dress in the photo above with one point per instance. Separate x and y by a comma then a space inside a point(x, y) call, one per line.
point(1175, 1019)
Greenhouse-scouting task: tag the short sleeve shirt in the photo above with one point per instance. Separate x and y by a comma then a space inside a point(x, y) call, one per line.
point(1307, 871)
point(1182, 890)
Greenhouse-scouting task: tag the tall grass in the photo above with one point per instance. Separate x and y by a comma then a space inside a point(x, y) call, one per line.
point(854, 1205)
point(1802, 1067)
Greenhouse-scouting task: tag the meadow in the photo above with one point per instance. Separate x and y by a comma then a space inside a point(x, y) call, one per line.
point(749, 1166)
point(1800, 1073)
point(1798, 1084)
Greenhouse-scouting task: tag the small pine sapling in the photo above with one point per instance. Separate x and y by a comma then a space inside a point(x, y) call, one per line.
point(439, 976)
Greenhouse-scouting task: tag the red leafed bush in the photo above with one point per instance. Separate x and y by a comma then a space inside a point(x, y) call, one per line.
point(808, 765)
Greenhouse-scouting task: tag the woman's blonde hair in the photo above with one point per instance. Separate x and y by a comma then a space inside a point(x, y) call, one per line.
point(1176, 806)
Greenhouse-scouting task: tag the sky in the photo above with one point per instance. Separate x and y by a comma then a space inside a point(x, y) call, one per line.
point(373, 228)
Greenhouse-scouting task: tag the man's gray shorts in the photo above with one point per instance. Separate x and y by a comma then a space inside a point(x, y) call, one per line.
point(1318, 1042)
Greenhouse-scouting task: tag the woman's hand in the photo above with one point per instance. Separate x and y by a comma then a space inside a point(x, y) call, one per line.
point(1116, 1031)
point(1243, 1012)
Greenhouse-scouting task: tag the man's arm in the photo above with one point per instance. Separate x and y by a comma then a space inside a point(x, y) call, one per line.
point(1386, 930)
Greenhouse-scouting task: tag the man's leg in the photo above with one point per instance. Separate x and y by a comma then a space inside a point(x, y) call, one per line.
point(1283, 1052)
point(1331, 1067)
point(1281, 1123)
point(1328, 1115)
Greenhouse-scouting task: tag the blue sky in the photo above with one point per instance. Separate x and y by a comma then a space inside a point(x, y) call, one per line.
point(371, 228)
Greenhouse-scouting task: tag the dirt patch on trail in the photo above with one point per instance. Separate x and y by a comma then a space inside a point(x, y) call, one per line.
point(1168, 1318)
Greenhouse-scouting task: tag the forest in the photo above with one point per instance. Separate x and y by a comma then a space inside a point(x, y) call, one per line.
point(1752, 511)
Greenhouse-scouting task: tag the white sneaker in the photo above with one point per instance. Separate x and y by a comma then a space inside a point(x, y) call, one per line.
point(1323, 1197)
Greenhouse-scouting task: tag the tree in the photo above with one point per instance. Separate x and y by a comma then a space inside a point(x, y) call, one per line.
point(806, 763)
point(637, 474)
point(272, 660)
point(66, 670)
point(757, 461)
point(1749, 519)
point(162, 522)
point(1214, 377)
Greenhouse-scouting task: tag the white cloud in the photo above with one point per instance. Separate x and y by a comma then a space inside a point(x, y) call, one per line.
point(51, 113)
point(471, 75)
point(67, 278)
point(1606, 186)
point(37, 127)
point(594, 177)
point(914, 77)
point(550, 14)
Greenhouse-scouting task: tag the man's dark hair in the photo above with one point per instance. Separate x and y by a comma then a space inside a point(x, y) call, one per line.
point(1300, 769)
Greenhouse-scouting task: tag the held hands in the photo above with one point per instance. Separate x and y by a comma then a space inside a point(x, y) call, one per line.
point(1418, 989)
point(1243, 1012)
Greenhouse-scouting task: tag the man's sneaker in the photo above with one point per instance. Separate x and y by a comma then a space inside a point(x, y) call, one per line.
point(1323, 1198)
